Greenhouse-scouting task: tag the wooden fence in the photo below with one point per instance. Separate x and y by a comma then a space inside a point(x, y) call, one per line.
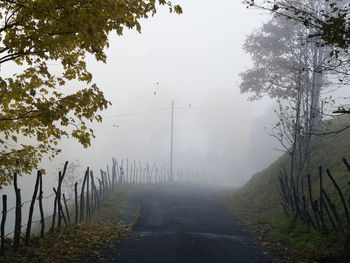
point(322, 213)
point(88, 201)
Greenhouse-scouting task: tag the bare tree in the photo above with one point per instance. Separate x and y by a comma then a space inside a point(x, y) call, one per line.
point(294, 70)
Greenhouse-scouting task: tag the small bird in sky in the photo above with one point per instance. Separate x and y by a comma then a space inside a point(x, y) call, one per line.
point(114, 125)
point(157, 83)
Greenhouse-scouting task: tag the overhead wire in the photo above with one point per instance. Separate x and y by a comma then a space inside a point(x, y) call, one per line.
point(177, 109)
point(136, 113)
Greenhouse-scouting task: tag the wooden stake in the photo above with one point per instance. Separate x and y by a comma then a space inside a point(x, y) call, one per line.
point(42, 219)
point(31, 209)
point(18, 220)
point(3, 221)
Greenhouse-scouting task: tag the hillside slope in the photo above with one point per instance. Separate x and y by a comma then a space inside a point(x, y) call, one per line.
point(258, 201)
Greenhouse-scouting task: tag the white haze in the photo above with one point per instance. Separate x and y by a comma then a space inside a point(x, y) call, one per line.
point(193, 59)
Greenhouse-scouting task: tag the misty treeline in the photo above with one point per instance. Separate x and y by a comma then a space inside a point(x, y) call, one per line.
point(86, 194)
point(293, 66)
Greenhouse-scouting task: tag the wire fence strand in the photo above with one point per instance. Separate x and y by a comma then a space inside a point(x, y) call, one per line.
point(24, 203)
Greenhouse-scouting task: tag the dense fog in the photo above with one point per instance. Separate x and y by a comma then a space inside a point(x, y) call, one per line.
point(194, 60)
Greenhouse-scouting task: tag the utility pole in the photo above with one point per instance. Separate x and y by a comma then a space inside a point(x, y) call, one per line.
point(171, 141)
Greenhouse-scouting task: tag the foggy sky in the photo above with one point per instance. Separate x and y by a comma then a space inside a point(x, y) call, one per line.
point(191, 59)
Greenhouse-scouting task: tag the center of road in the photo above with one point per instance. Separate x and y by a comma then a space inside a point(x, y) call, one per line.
point(185, 224)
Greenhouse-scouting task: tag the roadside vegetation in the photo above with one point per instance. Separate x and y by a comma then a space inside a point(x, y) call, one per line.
point(259, 202)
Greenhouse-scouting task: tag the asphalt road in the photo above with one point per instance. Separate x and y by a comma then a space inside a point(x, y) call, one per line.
point(185, 225)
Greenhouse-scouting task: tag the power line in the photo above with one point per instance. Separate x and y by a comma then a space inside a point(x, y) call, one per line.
point(178, 109)
point(216, 109)
point(135, 113)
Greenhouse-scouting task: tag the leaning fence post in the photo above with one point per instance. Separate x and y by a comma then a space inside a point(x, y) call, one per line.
point(82, 196)
point(59, 199)
point(42, 219)
point(66, 207)
point(31, 209)
point(76, 202)
point(87, 197)
point(96, 195)
point(341, 197)
point(334, 211)
point(312, 202)
point(54, 211)
point(18, 220)
point(3, 221)
point(108, 178)
point(323, 227)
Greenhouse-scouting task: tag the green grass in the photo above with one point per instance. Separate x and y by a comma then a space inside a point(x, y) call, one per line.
point(258, 202)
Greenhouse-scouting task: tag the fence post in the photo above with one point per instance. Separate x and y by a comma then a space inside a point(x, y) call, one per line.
point(76, 202)
point(54, 211)
point(127, 171)
point(317, 220)
point(108, 179)
point(59, 216)
point(341, 197)
point(31, 209)
point(96, 194)
point(42, 219)
point(66, 207)
point(18, 220)
point(87, 196)
point(59, 199)
point(323, 227)
point(3, 221)
point(82, 196)
point(334, 211)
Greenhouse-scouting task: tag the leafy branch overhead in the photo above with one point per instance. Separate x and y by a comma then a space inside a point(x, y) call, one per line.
point(36, 107)
point(332, 23)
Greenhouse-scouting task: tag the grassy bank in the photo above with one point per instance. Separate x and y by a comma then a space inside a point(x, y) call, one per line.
point(258, 201)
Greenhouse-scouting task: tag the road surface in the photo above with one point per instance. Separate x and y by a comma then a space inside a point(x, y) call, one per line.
point(185, 224)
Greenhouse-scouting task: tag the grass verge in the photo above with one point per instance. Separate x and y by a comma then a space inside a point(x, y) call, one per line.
point(285, 237)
